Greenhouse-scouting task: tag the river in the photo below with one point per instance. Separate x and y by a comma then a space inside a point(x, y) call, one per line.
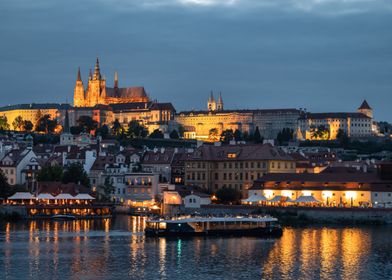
point(117, 249)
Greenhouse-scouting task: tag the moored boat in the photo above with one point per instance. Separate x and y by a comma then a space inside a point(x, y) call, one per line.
point(63, 217)
point(209, 226)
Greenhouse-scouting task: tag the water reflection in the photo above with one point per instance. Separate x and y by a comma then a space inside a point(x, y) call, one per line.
point(116, 248)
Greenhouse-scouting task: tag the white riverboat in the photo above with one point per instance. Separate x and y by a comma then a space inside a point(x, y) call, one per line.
point(207, 226)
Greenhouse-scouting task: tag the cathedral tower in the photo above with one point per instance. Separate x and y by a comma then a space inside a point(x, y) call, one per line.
point(97, 88)
point(79, 98)
point(219, 105)
point(211, 104)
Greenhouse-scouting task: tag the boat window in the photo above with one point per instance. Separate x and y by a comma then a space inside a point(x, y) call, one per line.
point(162, 225)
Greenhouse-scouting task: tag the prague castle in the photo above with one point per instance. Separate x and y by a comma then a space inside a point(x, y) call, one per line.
point(98, 93)
point(107, 104)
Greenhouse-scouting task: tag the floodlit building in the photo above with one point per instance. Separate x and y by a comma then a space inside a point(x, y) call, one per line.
point(333, 187)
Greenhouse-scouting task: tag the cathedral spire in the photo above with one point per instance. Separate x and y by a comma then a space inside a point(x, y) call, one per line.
point(79, 78)
point(97, 73)
point(219, 105)
point(90, 75)
point(115, 79)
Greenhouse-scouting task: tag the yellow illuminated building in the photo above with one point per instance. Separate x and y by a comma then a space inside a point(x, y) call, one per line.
point(98, 93)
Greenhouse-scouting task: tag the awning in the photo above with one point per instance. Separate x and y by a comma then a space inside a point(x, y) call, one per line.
point(21, 195)
point(139, 197)
point(306, 199)
point(278, 198)
point(65, 196)
point(45, 196)
point(255, 198)
point(83, 196)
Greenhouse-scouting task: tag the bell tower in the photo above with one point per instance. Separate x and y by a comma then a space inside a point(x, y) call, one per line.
point(79, 98)
point(96, 87)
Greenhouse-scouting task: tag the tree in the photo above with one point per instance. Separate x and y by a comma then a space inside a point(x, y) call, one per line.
point(257, 136)
point(5, 190)
point(108, 189)
point(228, 195)
point(102, 131)
point(75, 130)
point(136, 130)
point(46, 124)
point(18, 123)
point(50, 173)
point(343, 139)
point(117, 128)
point(285, 135)
point(87, 123)
point(181, 131)
point(174, 135)
point(156, 134)
point(4, 123)
point(75, 173)
point(237, 135)
point(227, 135)
point(213, 135)
point(28, 125)
point(320, 132)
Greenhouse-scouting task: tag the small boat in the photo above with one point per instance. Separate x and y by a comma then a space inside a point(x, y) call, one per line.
point(64, 217)
point(218, 226)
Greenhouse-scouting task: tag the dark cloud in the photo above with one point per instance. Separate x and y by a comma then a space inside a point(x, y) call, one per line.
point(322, 55)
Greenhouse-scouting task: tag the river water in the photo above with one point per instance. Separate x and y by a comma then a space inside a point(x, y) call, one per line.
point(117, 249)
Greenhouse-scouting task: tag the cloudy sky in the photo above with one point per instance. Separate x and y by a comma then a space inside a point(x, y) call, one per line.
point(324, 55)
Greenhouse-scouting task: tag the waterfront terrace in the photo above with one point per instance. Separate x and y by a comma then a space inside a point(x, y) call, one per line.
point(344, 187)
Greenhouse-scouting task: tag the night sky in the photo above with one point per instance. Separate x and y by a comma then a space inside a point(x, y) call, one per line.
point(324, 55)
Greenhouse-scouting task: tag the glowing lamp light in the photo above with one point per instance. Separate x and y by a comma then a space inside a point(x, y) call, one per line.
point(306, 193)
point(268, 193)
point(327, 194)
point(351, 195)
point(286, 193)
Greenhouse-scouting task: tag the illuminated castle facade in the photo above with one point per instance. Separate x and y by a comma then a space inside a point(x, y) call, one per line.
point(98, 93)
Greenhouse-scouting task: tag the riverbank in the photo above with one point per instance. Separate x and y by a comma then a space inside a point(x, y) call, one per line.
point(302, 215)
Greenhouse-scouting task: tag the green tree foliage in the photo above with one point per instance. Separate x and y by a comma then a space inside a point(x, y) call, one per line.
point(87, 124)
point(108, 190)
point(75, 173)
point(28, 125)
point(5, 190)
point(156, 134)
point(181, 130)
point(285, 135)
point(18, 123)
point(174, 135)
point(227, 135)
point(213, 134)
point(257, 136)
point(4, 123)
point(117, 128)
point(46, 124)
point(320, 132)
point(238, 135)
point(50, 173)
point(102, 131)
point(342, 138)
point(228, 195)
point(75, 130)
point(136, 130)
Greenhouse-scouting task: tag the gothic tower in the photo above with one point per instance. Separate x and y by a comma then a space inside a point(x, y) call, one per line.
point(96, 93)
point(219, 105)
point(79, 98)
point(211, 104)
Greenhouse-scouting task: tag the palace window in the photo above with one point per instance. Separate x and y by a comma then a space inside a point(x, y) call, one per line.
point(231, 155)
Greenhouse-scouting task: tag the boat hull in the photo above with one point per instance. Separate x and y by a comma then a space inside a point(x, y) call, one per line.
point(256, 232)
